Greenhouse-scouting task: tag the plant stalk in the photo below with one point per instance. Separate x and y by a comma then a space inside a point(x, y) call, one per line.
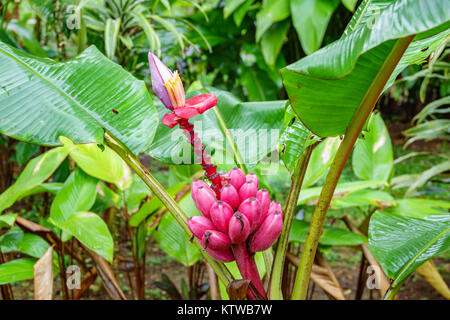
point(247, 267)
point(392, 292)
point(275, 292)
point(352, 133)
point(222, 272)
point(205, 159)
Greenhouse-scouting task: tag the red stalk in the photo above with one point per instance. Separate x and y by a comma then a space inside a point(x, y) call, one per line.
point(205, 159)
point(247, 266)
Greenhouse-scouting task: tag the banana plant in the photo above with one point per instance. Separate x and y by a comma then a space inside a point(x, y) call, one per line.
point(332, 92)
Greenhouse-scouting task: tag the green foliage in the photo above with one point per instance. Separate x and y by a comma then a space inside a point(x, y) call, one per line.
point(77, 194)
point(92, 232)
point(310, 19)
point(402, 243)
point(72, 100)
point(293, 140)
point(25, 151)
point(331, 235)
point(172, 238)
point(15, 240)
point(36, 171)
point(17, 270)
point(373, 157)
point(102, 163)
point(7, 220)
point(347, 69)
point(321, 158)
point(249, 125)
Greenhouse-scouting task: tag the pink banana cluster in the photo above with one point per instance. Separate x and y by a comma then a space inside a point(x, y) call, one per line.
point(243, 214)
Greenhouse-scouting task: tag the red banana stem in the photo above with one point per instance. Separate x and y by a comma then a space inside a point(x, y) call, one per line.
point(247, 266)
point(205, 159)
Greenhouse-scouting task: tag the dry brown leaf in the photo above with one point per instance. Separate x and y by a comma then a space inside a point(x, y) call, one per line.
point(106, 273)
point(430, 273)
point(322, 276)
point(43, 276)
point(237, 289)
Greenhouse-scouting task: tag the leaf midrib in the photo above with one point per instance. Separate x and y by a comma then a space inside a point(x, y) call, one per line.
point(416, 256)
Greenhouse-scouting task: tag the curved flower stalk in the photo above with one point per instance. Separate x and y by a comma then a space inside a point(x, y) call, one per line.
point(169, 89)
point(238, 219)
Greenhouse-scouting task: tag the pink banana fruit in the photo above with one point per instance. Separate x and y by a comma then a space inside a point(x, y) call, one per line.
point(229, 195)
point(221, 255)
point(252, 177)
point(267, 233)
point(239, 228)
point(248, 190)
point(264, 199)
point(236, 177)
point(220, 214)
point(194, 187)
point(204, 198)
point(251, 208)
point(215, 240)
point(199, 225)
point(275, 207)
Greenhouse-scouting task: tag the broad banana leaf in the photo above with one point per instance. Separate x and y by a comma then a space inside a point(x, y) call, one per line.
point(402, 243)
point(327, 87)
point(41, 99)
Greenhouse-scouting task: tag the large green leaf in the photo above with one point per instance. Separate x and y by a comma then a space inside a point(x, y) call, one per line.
point(271, 11)
point(310, 19)
point(35, 172)
point(326, 87)
point(418, 208)
point(331, 236)
point(10, 240)
point(102, 163)
point(401, 243)
point(231, 6)
point(25, 151)
point(254, 127)
point(321, 158)
point(363, 197)
point(423, 177)
point(18, 241)
point(373, 158)
point(41, 100)
point(7, 220)
point(257, 84)
point(152, 206)
point(92, 231)
point(77, 194)
point(342, 189)
point(172, 238)
point(112, 27)
point(272, 41)
point(17, 270)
